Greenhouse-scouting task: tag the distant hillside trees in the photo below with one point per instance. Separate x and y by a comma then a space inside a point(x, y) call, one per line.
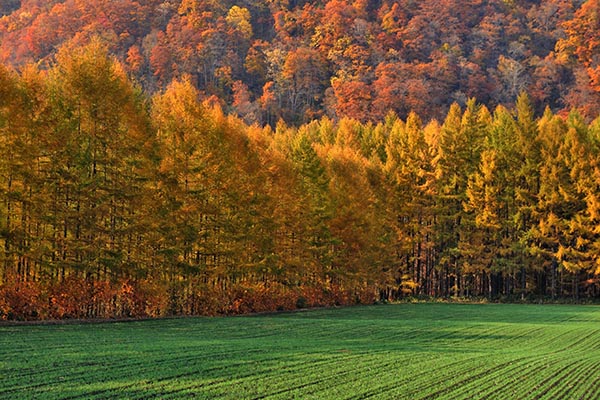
point(302, 60)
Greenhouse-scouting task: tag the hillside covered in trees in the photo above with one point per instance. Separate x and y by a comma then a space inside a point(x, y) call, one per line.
point(115, 203)
point(298, 60)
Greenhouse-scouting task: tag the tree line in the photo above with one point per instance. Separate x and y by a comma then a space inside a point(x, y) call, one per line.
point(115, 203)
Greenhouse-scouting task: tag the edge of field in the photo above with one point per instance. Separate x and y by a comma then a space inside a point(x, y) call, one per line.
point(480, 301)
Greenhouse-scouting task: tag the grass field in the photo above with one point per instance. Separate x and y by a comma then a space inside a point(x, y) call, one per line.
point(405, 351)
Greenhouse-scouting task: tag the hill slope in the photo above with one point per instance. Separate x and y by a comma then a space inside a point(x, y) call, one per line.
point(302, 59)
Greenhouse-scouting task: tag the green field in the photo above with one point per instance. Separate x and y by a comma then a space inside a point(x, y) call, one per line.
point(411, 351)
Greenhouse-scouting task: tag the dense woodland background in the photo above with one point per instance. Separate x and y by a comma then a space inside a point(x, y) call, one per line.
point(202, 157)
point(302, 59)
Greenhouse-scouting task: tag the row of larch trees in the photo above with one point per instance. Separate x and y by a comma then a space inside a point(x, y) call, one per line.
point(115, 204)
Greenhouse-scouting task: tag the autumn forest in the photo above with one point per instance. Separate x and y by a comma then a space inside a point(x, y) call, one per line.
point(202, 157)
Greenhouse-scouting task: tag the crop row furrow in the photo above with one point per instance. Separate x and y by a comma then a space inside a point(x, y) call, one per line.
point(594, 345)
point(234, 380)
point(525, 335)
point(151, 381)
point(126, 368)
point(588, 392)
point(452, 387)
point(193, 370)
point(18, 374)
point(581, 341)
point(428, 388)
point(413, 381)
point(28, 337)
point(546, 379)
point(458, 337)
point(491, 383)
point(569, 387)
point(298, 368)
point(568, 380)
point(437, 371)
point(469, 336)
point(340, 375)
point(513, 337)
point(549, 339)
point(464, 376)
point(426, 382)
point(594, 392)
point(49, 347)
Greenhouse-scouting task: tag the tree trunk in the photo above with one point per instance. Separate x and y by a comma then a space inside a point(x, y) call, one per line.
point(553, 277)
point(523, 283)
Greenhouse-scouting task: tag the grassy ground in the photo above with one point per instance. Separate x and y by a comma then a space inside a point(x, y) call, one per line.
point(410, 351)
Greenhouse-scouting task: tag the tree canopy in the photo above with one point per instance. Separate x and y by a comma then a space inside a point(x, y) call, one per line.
point(299, 60)
point(119, 203)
